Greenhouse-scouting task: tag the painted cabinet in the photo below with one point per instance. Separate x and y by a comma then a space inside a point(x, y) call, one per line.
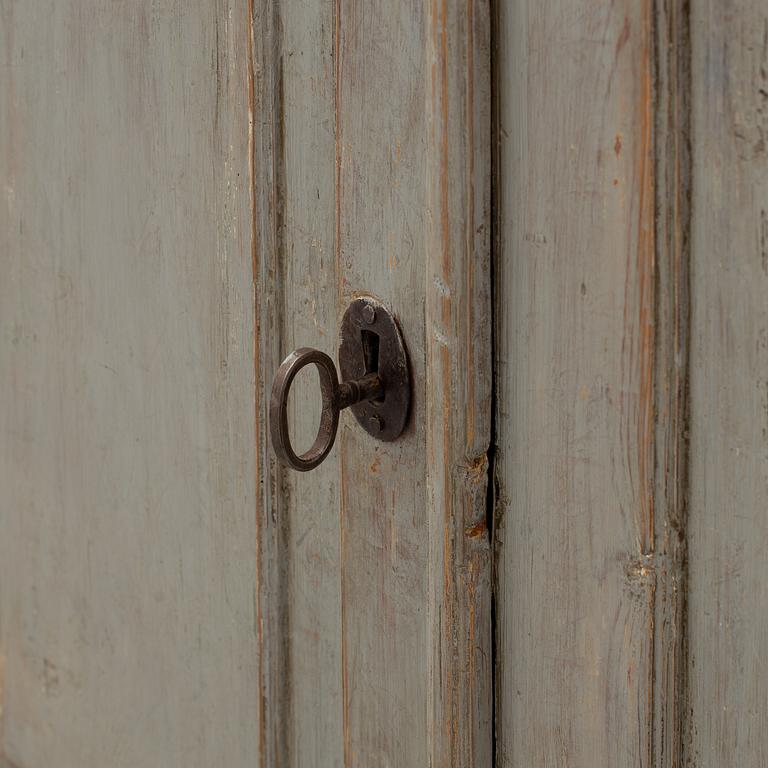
point(561, 562)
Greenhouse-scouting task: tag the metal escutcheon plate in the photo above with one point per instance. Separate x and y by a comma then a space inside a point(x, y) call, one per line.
point(371, 339)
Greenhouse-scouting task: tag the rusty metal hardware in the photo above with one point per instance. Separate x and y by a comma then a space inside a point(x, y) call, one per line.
point(375, 383)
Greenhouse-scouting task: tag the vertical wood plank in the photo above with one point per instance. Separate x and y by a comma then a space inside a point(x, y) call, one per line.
point(283, 157)
point(376, 571)
point(127, 525)
point(414, 533)
point(587, 306)
point(459, 360)
point(380, 137)
point(266, 168)
point(299, 538)
point(309, 317)
point(671, 369)
point(727, 617)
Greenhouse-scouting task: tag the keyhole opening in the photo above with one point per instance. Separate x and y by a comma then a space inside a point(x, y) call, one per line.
point(370, 342)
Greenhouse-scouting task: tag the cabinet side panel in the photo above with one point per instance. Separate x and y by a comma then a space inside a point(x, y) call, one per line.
point(127, 510)
point(728, 614)
point(576, 530)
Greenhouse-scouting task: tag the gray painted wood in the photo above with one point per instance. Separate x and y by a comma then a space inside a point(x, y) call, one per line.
point(728, 532)
point(127, 451)
point(190, 191)
point(377, 181)
point(633, 371)
point(296, 204)
point(672, 183)
point(591, 330)
point(381, 143)
point(270, 594)
point(458, 379)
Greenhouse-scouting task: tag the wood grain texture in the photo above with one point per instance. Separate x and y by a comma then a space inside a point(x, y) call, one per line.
point(189, 193)
point(127, 512)
point(376, 180)
point(727, 616)
point(673, 181)
point(380, 135)
point(266, 169)
point(459, 369)
point(295, 179)
point(592, 340)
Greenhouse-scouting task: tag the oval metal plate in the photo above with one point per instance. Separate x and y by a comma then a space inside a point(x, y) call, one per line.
point(383, 419)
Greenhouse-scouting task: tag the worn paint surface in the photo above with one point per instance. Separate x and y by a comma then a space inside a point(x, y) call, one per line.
point(728, 529)
point(127, 452)
point(632, 370)
point(190, 191)
point(377, 183)
point(592, 328)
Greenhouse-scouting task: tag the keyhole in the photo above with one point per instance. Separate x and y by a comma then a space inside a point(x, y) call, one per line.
point(370, 342)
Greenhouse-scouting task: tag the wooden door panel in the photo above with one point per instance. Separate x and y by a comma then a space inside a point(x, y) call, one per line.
point(127, 453)
point(190, 191)
point(728, 517)
point(377, 565)
point(576, 530)
point(380, 249)
point(631, 379)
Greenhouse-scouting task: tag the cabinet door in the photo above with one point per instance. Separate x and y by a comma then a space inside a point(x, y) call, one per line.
point(127, 409)
point(190, 191)
point(632, 276)
point(372, 176)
